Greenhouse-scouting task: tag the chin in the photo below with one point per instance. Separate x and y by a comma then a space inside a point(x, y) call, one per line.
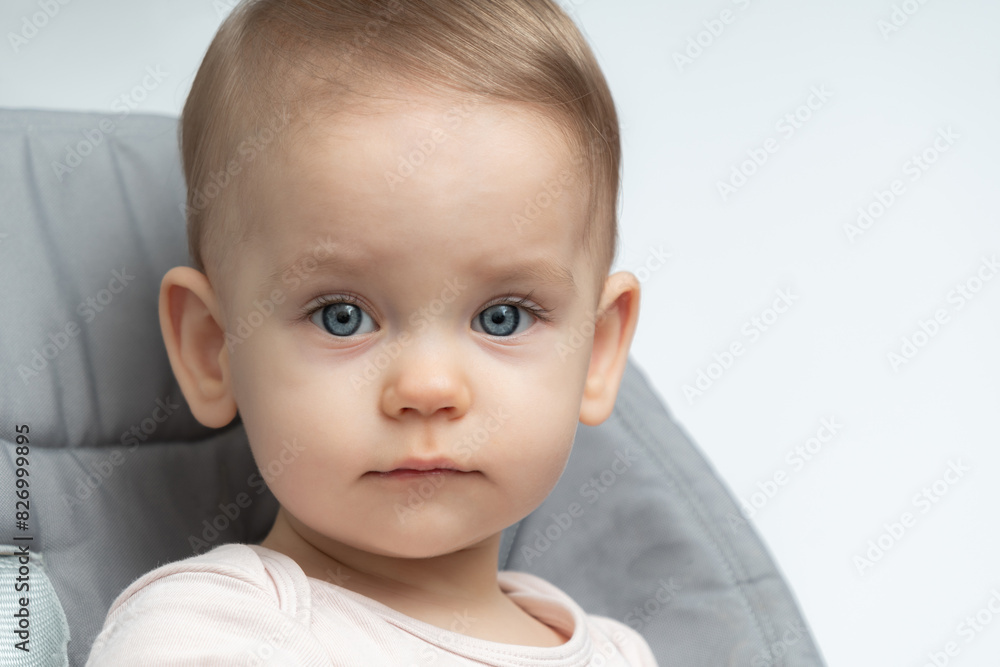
point(405, 548)
point(423, 542)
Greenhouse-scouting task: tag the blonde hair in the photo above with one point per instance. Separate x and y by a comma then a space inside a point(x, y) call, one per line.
point(273, 60)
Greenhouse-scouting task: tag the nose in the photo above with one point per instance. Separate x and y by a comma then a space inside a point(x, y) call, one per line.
point(425, 384)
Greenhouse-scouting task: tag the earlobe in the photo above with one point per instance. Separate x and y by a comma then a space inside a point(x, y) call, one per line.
point(195, 341)
point(618, 315)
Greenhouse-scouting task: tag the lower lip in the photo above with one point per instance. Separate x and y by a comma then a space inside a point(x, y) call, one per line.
point(419, 474)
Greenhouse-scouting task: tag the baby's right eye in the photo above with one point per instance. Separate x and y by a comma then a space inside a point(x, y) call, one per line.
point(341, 316)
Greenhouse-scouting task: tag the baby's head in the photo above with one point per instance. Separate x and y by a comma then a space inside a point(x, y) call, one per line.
point(403, 217)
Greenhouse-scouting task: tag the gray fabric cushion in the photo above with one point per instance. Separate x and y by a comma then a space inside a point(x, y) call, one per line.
point(124, 478)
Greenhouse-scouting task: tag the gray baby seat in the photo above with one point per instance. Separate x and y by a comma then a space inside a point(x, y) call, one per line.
point(116, 476)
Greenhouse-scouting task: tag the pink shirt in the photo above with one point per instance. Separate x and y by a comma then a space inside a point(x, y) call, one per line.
point(248, 605)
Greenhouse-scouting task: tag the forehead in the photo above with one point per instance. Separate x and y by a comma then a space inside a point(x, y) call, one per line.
point(405, 179)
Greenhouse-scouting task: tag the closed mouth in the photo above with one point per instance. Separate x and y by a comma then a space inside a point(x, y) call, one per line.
point(406, 472)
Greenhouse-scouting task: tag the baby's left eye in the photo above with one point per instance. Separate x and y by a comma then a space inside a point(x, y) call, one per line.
point(502, 319)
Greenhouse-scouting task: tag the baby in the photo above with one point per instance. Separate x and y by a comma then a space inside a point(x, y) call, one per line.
point(402, 215)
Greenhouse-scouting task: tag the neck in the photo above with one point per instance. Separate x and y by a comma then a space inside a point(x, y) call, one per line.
point(466, 577)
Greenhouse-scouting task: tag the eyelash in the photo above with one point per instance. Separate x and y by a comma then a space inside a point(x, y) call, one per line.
point(511, 299)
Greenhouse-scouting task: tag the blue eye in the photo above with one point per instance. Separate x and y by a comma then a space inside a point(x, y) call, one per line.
point(502, 319)
point(341, 318)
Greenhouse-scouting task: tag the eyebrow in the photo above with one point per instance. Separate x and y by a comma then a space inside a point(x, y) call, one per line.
point(546, 272)
point(543, 271)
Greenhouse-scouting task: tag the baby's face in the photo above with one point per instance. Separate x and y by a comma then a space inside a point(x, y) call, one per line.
point(408, 249)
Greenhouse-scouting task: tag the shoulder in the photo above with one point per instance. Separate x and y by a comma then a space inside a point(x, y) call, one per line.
point(607, 635)
point(222, 597)
point(229, 570)
point(607, 632)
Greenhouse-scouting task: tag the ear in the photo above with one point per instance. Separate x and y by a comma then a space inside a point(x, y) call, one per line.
point(617, 317)
point(196, 344)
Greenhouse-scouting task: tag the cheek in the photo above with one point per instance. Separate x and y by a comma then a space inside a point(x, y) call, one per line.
point(292, 408)
point(537, 440)
point(532, 468)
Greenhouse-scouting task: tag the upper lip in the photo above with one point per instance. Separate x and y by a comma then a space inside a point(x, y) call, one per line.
point(437, 463)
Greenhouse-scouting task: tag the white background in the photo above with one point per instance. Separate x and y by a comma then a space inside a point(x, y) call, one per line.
point(686, 125)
